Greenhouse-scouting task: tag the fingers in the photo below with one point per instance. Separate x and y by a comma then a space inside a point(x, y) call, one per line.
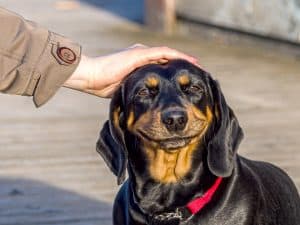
point(137, 45)
point(163, 55)
point(160, 54)
point(105, 92)
point(160, 61)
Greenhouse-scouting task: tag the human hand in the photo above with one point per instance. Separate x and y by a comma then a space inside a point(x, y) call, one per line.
point(101, 76)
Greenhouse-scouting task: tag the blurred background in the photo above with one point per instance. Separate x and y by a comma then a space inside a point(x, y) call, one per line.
point(50, 172)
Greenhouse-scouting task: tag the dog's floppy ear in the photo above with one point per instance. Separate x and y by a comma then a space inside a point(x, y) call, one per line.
point(111, 145)
point(226, 137)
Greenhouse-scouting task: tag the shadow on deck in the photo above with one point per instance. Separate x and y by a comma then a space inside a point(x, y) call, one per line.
point(30, 202)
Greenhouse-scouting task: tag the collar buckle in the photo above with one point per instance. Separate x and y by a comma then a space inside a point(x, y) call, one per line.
point(172, 218)
point(169, 215)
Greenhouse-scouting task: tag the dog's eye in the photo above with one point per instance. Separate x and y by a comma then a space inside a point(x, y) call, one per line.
point(192, 89)
point(196, 89)
point(143, 92)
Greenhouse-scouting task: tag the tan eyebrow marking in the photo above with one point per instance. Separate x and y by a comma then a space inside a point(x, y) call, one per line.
point(152, 81)
point(183, 79)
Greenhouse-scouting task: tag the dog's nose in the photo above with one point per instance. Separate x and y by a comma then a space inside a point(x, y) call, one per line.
point(174, 120)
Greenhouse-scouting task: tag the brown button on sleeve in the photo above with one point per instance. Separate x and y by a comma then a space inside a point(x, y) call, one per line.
point(66, 55)
point(59, 60)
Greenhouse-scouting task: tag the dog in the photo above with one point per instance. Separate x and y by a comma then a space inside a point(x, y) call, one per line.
point(172, 130)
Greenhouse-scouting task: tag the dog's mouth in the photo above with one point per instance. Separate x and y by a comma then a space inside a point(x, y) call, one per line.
point(174, 143)
point(169, 144)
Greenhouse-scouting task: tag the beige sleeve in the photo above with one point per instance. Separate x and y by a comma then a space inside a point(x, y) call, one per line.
point(33, 61)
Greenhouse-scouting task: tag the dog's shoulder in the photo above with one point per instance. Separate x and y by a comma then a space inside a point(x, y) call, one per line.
point(278, 194)
point(268, 173)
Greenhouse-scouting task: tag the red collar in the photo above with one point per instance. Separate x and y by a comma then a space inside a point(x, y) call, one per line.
point(197, 204)
point(193, 207)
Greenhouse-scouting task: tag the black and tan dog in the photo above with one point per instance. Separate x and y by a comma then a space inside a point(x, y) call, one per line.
point(171, 129)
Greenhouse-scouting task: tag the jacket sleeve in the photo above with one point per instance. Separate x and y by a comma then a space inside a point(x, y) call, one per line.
point(33, 61)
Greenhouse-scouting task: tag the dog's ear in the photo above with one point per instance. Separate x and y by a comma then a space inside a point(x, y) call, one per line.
point(111, 145)
point(226, 135)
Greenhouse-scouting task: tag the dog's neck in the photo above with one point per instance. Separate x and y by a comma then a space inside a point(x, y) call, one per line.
point(154, 196)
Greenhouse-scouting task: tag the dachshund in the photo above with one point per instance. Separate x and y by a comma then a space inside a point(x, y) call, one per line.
point(171, 129)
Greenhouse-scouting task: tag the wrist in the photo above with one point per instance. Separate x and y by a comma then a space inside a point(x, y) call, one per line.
point(78, 79)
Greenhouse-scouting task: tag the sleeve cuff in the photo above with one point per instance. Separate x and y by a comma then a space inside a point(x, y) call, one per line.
point(58, 61)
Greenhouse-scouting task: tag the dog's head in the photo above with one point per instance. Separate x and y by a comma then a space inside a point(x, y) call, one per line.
point(162, 116)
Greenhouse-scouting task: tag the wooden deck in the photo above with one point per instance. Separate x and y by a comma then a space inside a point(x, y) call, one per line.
point(50, 173)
